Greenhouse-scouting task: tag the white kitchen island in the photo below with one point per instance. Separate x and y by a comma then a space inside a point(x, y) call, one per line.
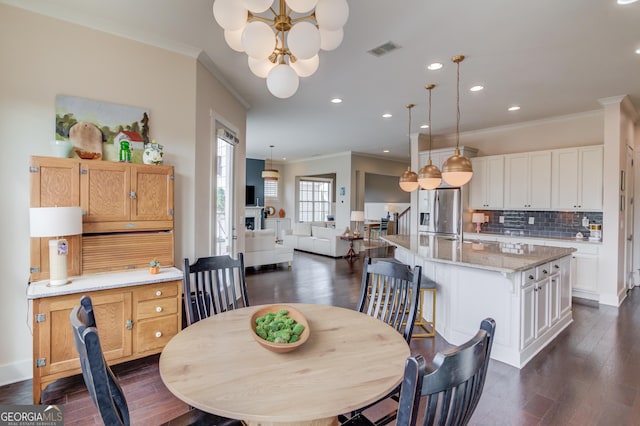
point(526, 288)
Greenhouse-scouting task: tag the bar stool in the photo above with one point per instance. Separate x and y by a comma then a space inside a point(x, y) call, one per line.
point(429, 327)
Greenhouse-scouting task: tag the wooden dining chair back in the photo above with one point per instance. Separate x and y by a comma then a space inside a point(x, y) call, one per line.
point(451, 385)
point(212, 285)
point(390, 292)
point(103, 386)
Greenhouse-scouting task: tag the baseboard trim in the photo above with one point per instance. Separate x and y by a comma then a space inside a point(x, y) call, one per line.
point(15, 372)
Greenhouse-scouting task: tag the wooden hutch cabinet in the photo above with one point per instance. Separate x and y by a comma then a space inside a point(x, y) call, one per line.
point(127, 221)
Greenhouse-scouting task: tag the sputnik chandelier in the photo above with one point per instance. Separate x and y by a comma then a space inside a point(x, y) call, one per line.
point(283, 46)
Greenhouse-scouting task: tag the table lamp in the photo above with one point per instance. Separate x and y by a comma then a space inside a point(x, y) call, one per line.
point(477, 218)
point(56, 222)
point(357, 216)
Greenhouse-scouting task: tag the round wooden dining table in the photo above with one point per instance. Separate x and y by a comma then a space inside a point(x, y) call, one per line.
point(349, 361)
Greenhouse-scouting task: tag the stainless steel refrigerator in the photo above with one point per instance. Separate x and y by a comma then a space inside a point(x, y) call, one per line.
point(441, 212)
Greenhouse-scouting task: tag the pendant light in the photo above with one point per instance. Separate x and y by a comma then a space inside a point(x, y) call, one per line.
point(271, 173)
point(457, 170)
point(429, 176)
point(409, 179)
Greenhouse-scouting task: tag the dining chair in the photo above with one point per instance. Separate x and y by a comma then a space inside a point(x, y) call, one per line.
point(212, 285)
point(451, 385)
point(382, 229)
point(103, 386)
point(389, 292)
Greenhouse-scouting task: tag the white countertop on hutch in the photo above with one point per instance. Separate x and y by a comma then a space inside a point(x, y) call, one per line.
point(103, 281)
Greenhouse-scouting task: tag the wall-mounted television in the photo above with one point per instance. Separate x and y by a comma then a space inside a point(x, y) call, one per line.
point(250, 195)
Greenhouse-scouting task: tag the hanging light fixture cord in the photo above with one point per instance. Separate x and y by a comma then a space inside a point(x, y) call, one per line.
point(429, 88)
point(457, 60)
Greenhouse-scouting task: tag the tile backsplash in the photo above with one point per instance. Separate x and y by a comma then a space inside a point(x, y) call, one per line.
point(546, 223)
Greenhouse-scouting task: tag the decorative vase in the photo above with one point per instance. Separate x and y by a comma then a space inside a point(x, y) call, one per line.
point(281, 213)
point(154, 270)
point(61, 148)
point(152, 153)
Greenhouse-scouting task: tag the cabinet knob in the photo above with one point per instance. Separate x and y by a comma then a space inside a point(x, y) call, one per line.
point(159, 309)
point(129, 324)
point(544, 271)
point(531, 277)
point(132, 195)
point(158, 333)
point(556, 266)
point(159, 293)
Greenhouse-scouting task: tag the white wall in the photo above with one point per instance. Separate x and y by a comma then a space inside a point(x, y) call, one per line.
point(42, 57)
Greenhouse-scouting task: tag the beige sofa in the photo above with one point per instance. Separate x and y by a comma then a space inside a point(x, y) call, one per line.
point(315, 238)
point(260, 248)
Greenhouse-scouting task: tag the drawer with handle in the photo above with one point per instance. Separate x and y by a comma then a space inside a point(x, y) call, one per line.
point(155, 333)
point(156, 291)
point(157, 308)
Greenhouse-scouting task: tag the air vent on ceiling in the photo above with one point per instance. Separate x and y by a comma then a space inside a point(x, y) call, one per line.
point(383, 49)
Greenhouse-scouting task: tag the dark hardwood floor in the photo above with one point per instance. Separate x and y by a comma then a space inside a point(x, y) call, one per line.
point(589, 376)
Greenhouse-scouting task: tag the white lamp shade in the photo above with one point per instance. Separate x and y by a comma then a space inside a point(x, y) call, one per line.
point(301, 6)
point(234, 39)
point(282, 81)
point(260, 67)
point(477, 218)
point(258, 40)
point(304, 40)
point(257, 6)
point(357, 216)
point(306, 67)
point(330, 40)
point(332, 14)
point(55, 221)
point(230, 14)
point(457, 178)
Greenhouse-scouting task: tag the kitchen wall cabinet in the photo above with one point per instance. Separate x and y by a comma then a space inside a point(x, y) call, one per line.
point(528, 180)
point(486, 188)
point(127, 213)
point(577, 178)
point(135, 320)
point(119, 197)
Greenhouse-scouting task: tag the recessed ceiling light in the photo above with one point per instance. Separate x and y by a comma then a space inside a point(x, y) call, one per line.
point(626, 1)
point(385, 151)
point(387, 115)
point(424, 126)
point(336, 101)
point(434, 66)
point(477, 88)
point(513, 108)
point(638, 51)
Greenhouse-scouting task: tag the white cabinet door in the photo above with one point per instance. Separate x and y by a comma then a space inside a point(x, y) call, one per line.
point(586, 272)
point(564, 188)
point(555, 293)
point(564, 266)
point(478, 184)
point(590, 178)
point(543, 306)
point(527, 312)
point(486, 188)
point(539, 180)
point(516, 195)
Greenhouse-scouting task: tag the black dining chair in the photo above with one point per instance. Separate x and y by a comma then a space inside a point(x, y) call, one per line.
point(103, 386)
point(390, 292)
point(212, 285)
point(449, 388)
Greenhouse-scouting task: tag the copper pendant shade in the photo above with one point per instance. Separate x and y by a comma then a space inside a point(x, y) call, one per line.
point(457, 170)
point(429, 176)
point(409, 179)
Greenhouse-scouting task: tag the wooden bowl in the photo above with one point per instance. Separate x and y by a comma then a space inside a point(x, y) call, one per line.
point(280, 347)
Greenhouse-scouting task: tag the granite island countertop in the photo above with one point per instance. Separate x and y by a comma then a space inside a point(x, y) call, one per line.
point(488, 255)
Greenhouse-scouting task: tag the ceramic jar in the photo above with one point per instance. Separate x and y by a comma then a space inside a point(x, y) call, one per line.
point(152, 153)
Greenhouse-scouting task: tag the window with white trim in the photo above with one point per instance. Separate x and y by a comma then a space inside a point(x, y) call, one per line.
point(271, 189)
point(314, 197)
